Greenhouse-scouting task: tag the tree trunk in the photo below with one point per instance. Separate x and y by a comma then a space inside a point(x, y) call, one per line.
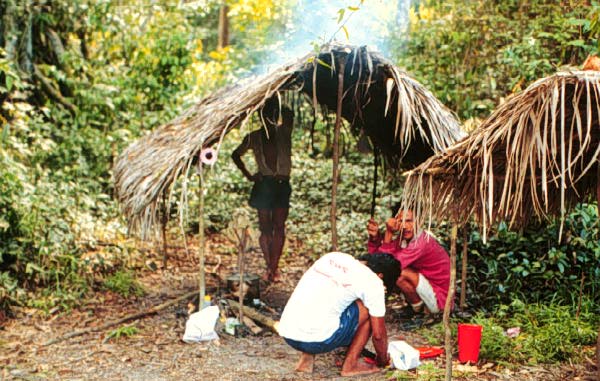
point(223, 27)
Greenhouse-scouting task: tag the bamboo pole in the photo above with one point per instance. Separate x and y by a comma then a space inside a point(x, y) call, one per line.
point(201, 281)
point(336, 153)
point(448, 305)
point(463, 275)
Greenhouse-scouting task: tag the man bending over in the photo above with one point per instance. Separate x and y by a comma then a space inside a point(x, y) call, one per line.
point(340, 301)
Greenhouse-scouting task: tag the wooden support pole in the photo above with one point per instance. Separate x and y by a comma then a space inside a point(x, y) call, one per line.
point(241, 249)
point(598, 206)
point(449, 299)
point(336, 153)
point(163, 228)
point(201, 281)
point(463, 275)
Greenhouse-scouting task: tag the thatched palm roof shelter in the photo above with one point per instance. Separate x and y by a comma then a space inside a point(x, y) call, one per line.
point(403, 120)
point(535, 156)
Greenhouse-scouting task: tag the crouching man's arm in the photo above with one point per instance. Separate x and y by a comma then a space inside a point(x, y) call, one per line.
point(380, 340)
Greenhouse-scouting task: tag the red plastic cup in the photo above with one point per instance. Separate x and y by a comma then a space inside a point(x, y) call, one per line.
point(469, 340)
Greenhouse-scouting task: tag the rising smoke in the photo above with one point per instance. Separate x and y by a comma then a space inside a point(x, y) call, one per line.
point(315, 22)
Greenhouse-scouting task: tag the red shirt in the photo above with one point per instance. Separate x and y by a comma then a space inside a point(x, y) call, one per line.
point(424, 255)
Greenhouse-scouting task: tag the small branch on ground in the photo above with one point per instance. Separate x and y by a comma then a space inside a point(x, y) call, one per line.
point(134, 316)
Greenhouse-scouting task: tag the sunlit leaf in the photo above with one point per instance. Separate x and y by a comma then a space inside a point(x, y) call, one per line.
point(323, 63)
point(341, 13)
point(346, 32)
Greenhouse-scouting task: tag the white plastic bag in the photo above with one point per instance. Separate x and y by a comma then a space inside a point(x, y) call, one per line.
point(404, 357)
point(201, 325)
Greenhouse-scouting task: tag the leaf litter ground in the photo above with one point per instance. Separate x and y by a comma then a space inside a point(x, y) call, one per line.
point(156, 351)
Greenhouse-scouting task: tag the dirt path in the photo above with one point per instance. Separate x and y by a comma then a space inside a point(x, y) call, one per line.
point(156, 352)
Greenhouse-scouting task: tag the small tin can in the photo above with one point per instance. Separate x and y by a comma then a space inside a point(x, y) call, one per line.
point(231, 325)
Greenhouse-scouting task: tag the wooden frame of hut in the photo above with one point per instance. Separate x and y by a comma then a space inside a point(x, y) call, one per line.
point(535, 156)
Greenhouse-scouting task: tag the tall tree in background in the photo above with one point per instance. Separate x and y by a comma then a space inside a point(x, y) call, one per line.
point(223, 39)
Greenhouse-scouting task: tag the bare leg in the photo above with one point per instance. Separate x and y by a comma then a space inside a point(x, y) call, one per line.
point(305, 363)
point(407, 282)
point(353, 365)
point(279, 217)
point(265, 224)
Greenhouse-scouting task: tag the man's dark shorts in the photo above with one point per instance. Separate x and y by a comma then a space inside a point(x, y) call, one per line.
point(271, 193)
point(340, 338)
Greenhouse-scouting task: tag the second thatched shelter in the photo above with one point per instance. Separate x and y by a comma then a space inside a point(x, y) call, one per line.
point(535, 156)
point(402, 119)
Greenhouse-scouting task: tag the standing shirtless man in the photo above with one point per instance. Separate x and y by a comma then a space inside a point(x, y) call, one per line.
point(272, 148)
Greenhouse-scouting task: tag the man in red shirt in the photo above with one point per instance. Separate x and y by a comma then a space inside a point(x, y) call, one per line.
point(425, 275)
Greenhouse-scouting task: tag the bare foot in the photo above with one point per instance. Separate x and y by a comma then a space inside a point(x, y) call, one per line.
point(276, 277)
point(306, 363)
point(266, 276)
point(360, 368)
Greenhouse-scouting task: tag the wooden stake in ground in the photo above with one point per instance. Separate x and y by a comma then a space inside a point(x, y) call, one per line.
point(448, 305)
point(336, 153)
point(598, 205)
point(201, 281)
point(241, 250)
point(463, 275)
point(134, 316)
point(163, 229)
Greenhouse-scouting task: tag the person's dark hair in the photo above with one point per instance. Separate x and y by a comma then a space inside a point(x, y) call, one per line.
point(385, 264)
point(270, 110)
point(395, 209)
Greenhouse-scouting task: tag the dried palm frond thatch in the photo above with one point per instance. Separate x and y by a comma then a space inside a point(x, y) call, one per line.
point(536, 155)
point(402, 119)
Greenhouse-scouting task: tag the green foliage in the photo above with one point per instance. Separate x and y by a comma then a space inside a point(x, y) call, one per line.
point(471, 54)
point(124, 284)
point(534, 266)
point(124, 331)
point(124, 69)
point(549, 333)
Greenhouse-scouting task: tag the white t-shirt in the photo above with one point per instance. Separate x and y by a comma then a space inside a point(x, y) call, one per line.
point(330, 285)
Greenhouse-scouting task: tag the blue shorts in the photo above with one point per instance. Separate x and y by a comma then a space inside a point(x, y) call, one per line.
point(271, 193)
point(340, 338)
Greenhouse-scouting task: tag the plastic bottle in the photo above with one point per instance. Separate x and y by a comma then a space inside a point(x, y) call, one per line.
point(206, 302)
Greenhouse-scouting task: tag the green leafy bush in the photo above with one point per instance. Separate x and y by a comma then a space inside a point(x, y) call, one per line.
point(534, 265)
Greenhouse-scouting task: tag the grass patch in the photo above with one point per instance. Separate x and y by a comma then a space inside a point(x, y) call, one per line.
point(123, 283)
point(125, 331)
